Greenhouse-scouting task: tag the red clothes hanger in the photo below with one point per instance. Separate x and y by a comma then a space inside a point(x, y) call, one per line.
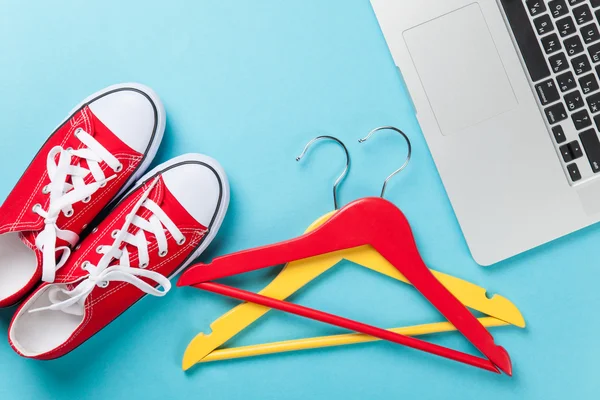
point(379, 223)
point(372, 221)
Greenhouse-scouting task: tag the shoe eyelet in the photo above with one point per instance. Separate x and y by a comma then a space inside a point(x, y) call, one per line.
point(119, 168)
point(36, 207)
point(114, 234)
point(46, 190)
point(77, 247)
point(78, 131)
point(84, 226)
point(144, 265)
point(103, 284)
point(181, 242)
point(69, 213)
point(99, 249)
point(95, 230)
point(84, 265)
point(87, 199)
point(163, 253)
point(69, 149)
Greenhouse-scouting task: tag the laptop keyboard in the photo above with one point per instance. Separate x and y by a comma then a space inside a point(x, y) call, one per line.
point(560, 45)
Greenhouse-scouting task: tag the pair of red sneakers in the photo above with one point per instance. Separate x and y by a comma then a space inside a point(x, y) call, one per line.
point(86, 232)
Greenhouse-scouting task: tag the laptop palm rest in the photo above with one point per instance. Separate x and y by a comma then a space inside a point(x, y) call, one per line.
point(460, 69)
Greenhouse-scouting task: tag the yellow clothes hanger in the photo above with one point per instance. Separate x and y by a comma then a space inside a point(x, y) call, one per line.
point(297, 274)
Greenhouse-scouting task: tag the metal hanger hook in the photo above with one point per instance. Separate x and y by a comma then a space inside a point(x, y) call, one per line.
point(344, 173)
point(408, 156)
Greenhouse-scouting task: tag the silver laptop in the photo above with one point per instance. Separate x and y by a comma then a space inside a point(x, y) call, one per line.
point(507, 93)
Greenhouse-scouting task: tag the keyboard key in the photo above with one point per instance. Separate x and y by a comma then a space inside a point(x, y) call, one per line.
point(566, 81)
point(583, 14)
point(558, 63)
point(551, 43)
point(574, 100)
point(536, 7)
point(597, 121)
point(590, 33)
point(547, 92)
point(574, 172)
point(581, 64)
point(595, 3)
point(566, 26)
point(594, 103)
point(556, 113)
point(543, 25)
point(559, 134)
point(526, 38)
point(595, 52)
point(581, 119)
point(575, 149)
point(591, 144)
point(573, 46)
point(571, 151)
point(588, 84)
point(565, 152)
point(558, 8)
point(575, 2)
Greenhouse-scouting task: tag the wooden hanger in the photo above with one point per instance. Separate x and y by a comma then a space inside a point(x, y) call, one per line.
point(297, 274)
point(370, 221)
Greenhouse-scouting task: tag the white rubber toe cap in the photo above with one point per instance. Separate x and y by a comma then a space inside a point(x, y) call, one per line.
point(131, 112)
point(199, 184)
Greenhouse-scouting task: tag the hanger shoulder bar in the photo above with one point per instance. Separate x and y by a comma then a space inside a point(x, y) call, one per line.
point(342, 231)
point(469, 294)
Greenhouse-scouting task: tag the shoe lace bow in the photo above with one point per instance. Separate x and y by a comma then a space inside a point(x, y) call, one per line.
point(114, 265)
point(67, 186)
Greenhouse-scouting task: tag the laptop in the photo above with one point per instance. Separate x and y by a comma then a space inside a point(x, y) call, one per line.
point(507, 93)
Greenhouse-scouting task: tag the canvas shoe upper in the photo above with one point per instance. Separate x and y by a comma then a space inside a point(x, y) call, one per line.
point(156, 230)
point(101, 148)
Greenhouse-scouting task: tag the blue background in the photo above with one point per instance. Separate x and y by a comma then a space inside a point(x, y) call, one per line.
point(250, 83)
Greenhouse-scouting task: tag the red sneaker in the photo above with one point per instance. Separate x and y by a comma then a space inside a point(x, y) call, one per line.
point(155, 231)
point(98, 151)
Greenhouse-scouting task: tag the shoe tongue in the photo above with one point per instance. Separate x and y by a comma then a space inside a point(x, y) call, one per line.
point(15, 212)
point(28, 239)
point(172, 208)
point(157, 195)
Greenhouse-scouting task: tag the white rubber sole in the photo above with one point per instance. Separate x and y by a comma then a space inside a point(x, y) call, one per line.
point(161, 124)
point(223, 206)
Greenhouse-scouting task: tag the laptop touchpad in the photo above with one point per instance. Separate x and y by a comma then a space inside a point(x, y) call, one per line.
point(460, 69)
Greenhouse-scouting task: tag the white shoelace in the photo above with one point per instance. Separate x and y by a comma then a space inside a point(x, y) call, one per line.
point(73, 301)
point(64, 194)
